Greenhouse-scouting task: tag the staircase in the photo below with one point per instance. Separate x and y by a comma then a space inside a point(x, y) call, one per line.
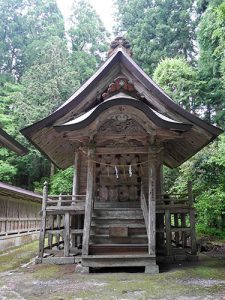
point(118, 237)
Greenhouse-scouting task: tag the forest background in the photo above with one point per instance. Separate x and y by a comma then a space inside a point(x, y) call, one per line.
point(179, 43)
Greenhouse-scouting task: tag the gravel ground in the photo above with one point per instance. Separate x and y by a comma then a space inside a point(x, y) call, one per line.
point(204, 279)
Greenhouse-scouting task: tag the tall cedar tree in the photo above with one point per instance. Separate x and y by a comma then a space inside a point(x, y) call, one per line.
point(157, 29)
point(211, 38)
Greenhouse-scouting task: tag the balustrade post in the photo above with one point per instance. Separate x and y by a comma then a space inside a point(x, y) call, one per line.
point(192, 219)
point(43, 222)
point(58, 221)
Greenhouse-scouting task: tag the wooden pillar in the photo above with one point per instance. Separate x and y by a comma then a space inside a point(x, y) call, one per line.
point(58, 221)
point(160, 241)
point(192, 220)
point(89, 202)
point(43, 222)
point(176, 225)
point(168, 232)
point(67, 234)
point(75, 192)
point(151, 200)
point(50, 235)
point(184, 225)
point(76, 175)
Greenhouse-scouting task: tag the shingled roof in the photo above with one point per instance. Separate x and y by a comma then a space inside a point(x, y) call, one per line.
point(47, 136)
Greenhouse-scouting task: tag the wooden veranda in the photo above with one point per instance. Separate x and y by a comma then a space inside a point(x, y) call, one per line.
point(118, 130)
point(62, 238)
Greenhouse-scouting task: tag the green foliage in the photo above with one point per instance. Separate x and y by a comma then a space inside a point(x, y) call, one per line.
point(22, 22)
point(206, 171)
point(34, 53)
point(7, 171)
point(9, 92)
point(211, 38)
point(179, 80)
point(52, 72)
point(157, 29)
point(62, 182)
point(87, 32)
point(210, 206)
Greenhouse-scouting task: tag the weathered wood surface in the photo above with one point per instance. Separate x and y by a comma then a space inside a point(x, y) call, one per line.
point(168, 232)
point(144, 208)
point(66, 235)
point(192, 232)
point(89, 203)
point(43, 223)
point(18, 215)
point(151, 199)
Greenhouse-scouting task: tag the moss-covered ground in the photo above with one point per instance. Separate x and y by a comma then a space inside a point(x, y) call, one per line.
point(197, 280)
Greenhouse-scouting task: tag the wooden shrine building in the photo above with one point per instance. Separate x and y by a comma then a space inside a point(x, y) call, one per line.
point(118, 130)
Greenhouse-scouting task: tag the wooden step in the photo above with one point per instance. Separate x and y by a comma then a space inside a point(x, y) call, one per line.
point(115, 221)
point(128, 260)
point(117, 204)
point(121, 213)
point(117, 248)
point(106, 239)
point(133, 229)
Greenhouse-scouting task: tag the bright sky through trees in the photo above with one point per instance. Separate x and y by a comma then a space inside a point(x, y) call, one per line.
point(104, 9)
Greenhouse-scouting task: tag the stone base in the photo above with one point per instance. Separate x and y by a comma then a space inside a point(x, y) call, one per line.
point(9, 241)
point(152, 269)
point(81, 269)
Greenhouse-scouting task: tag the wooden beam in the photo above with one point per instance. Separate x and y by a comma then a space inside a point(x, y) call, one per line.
point(89, 203)
point(125, 150)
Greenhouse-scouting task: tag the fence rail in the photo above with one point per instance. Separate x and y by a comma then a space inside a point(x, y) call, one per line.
point(15, 226)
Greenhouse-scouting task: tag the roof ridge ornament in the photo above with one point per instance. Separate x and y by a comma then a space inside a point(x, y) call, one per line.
point(120, 84)
point(120, 42)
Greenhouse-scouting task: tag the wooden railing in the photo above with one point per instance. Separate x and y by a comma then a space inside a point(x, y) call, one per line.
point(144, 207)
point(15, 226)
point(63, 203)
point(173, 200)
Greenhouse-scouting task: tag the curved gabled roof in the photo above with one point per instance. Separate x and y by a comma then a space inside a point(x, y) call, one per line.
point(50, 142)
point(122, 99)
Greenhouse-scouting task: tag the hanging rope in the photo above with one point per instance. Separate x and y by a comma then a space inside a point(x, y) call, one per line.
point(117, 174)
point(130, 171)
point(118, 165)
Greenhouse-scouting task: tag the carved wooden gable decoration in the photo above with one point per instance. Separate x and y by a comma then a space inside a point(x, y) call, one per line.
point(120, 107)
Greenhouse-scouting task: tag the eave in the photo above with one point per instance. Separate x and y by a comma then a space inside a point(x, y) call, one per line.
point(8, 142)
point(200, 129)
point(160, 122)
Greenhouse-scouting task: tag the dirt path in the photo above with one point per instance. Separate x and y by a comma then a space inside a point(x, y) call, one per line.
point(202, 280)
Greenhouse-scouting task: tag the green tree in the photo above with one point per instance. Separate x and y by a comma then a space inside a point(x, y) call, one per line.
point(47, 84)
point(22, 23)
point(179, 80)
point(211, 38)
point(87, 32)
point(157, 29)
